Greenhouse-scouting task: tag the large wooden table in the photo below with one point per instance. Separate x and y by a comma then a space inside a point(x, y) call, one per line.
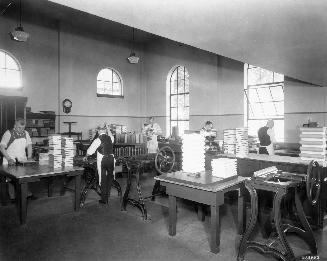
point(205, 189)
point(22, 175)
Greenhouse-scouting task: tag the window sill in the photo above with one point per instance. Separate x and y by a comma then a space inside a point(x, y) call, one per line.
point(110, 96)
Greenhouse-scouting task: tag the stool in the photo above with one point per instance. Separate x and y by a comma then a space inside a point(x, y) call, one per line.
point(278, 247)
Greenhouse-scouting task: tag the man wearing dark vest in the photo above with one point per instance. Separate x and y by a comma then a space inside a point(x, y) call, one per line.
point(266, 137)
point(103, 146)
point(13, 146)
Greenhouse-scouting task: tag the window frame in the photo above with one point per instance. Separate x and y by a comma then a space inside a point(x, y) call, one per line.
point(270, 85)
point(118, 75)
point(20, 87)
point(178, 94)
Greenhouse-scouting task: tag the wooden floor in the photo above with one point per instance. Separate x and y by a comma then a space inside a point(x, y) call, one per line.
point(97, 232)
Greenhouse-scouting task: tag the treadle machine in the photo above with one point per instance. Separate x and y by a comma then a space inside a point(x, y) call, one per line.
point(135, 168)
point(281, 183)
point(91, 178)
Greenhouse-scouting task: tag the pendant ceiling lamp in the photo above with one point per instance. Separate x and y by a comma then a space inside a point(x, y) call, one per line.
point(18, 34)
point(132, 57)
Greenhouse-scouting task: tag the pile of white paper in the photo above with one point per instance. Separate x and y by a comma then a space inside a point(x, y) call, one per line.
point(193, 152)
point(55, 157)
point(313, 143)
point(43, 158)
point(67, 151)
point(224, 167)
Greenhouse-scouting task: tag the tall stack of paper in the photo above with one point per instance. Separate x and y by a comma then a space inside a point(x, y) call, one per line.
point(242, 142)
point(224, 167)
point(193, 152)
point(67, 151)
point(55, 157)
point(230, 141)
point(313, 143)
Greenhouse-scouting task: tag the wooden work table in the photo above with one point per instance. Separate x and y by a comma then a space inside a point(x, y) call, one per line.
point(204, 189)
point(246, 166)
point(32, 172)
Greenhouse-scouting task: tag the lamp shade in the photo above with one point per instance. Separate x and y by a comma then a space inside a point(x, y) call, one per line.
point(18, 34)
point(133, 58)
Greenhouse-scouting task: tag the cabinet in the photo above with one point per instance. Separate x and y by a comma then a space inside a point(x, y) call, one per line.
point(41, 124)
point(11, 108)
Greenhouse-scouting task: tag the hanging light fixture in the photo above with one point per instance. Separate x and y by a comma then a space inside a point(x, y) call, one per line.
point(132, 57)
point(18, 34)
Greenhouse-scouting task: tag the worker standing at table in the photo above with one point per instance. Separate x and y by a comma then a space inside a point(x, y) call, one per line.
point(103, 146)
point(266, 137)
point(152, 130)
point(13, 146)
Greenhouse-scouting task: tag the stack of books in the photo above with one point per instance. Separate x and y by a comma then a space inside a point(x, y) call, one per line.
point(193, 153)
point(67, 151)
point(230, 141)
point(313, 143)
point(43, 158)
point(55, 157)
point(242, 142)
point(224, 167)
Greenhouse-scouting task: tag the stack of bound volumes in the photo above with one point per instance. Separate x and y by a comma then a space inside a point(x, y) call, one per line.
point(55, 157)
point(224, 167)
point(313, 143)
point(193, 152)
point(67, 151)
point(230, 141)
point(242, 142)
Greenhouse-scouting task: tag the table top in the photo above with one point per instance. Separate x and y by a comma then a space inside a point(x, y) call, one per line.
point(203, 181)
point(34, 170)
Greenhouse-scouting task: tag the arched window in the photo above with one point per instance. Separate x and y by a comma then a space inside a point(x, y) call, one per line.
point(109, 83)
point(179, 105)
point(10, 71)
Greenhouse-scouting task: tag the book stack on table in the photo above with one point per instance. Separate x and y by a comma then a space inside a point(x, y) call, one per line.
point(313, 144)
point(55, 157)
point(67, 151)
point(224, 167)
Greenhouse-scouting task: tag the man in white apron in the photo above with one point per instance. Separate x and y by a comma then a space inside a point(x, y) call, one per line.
point(267, 139)
point(13, 146)
point(152, 130)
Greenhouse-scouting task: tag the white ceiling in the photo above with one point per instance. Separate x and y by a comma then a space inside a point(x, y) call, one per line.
point(286, 36)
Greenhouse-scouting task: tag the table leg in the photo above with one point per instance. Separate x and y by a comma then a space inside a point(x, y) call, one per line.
point(201, 215)
point(172, 215)
point(3, 184)
point(241, 213)
point(22, 202)
point(77, 192)
point(215, 229)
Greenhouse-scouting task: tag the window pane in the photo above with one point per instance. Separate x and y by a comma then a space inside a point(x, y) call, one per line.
point(116, 89)
point(264, 94)
point(173, 101)
point(181, 86)
point(115, 77)
point(269, 109)
point(173, 113)
point(252, 95)
point(173, 76)
point(181, 75)
point(266, 76)
point(172, 124)
point(277, 93)
point(180, 100)
point(257, 110)
point(173, 87)
point(11, 63)
point(2, 79)
point(187, 85)
point(186, 113)
point(187, 100)
point(254, 76)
